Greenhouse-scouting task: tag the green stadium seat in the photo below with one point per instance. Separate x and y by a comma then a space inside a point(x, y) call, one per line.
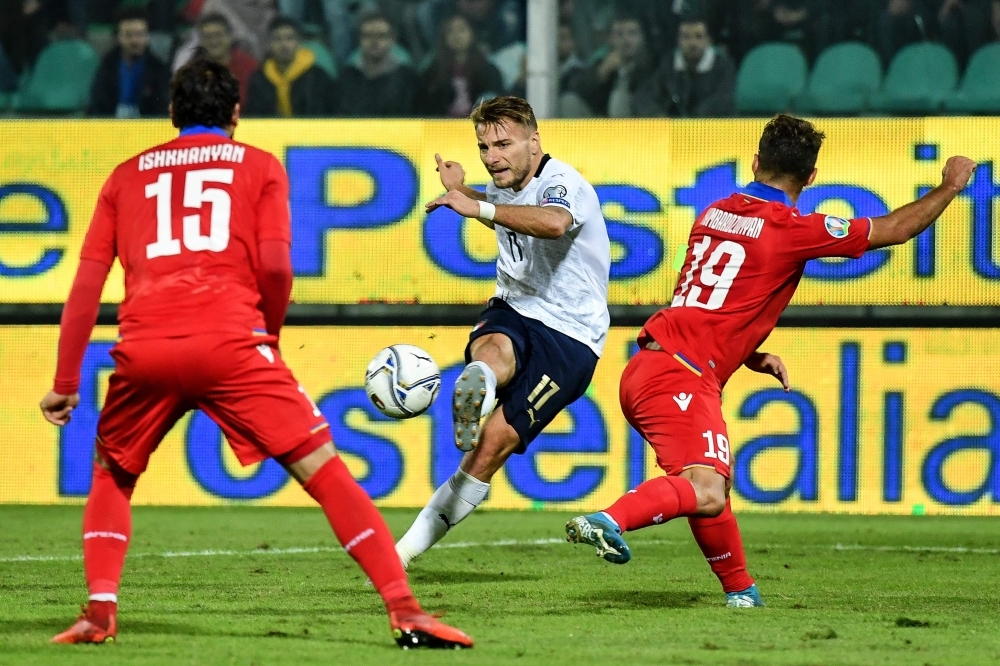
point(920, 78)
point(842, 81)
point(60, 82)
point(979, 91)
point(771, 76)
point(324, 60)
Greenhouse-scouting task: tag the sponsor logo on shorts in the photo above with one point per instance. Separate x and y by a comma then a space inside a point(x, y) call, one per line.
point(683, 400)
point(266, 352)
point(837, 227)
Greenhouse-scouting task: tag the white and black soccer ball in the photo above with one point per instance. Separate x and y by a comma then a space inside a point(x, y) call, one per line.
point(402, 381)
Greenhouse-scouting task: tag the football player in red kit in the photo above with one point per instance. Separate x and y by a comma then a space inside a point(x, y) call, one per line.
point(745, 256)
point(201, 226)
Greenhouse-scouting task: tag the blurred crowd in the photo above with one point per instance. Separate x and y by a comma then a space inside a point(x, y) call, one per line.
point(436, 58)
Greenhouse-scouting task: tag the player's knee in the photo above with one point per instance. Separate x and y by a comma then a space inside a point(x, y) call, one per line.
point(711, 497)
point(497, 351)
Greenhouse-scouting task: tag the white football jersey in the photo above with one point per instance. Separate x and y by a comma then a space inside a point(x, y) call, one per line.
point(560, 282)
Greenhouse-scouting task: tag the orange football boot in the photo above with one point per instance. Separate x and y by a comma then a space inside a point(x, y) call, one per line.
point(416, 630)
point(87, 630)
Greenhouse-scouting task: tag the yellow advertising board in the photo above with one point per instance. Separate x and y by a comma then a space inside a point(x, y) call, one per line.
point(879, 421)
point(360, 232)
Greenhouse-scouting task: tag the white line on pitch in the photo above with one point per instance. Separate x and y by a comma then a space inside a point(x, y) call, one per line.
point(502, 544)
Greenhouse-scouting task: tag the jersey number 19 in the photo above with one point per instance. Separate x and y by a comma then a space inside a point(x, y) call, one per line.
point(196, 195)
point(696, 281)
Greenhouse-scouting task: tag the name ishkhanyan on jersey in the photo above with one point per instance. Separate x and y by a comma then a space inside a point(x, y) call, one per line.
point(220, 152)
point(731, 223)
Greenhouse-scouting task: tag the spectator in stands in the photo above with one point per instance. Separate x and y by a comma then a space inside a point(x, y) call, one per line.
point(215, 37)
point(903, 22)
point(572, 70)
point(458, 76)
point(964, 26)
point(495, 23)
point(377, 84)
point(289, 84)
point(609, 85)
point(699, 81)
point(130, 81)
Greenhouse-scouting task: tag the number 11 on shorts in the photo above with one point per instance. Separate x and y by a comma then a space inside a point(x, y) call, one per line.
point(718, 446)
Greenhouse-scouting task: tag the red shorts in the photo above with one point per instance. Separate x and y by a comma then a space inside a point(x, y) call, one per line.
point(677, 411)
point(242, 384)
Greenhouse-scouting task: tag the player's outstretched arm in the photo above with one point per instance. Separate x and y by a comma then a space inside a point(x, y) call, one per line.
point(453, 178)
point(537, 221)
point(907, 222)
point(769, 364)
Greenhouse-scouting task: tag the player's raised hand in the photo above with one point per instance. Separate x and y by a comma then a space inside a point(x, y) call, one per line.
point(58, 408)
point(769, 364)
point(957, 172)
point(458, 202)
point(452, 173)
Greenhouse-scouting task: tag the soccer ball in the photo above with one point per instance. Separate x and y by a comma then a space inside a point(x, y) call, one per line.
point(402, 381)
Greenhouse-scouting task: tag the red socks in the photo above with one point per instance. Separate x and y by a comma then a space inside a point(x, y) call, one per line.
point(107, 529)
point(363, 533)
point(720, 541)
point(654, 502)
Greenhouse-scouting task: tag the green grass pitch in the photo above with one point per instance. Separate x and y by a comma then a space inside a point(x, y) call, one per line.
point(267, 586)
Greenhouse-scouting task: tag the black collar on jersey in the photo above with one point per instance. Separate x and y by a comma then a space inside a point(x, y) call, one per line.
point(541, 165)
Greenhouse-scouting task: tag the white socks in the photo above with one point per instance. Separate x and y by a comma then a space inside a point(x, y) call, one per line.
point(104, 596)
point(450, 504)
point(491, 387)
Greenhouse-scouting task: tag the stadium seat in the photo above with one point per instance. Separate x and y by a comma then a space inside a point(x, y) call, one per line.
point(979, 91)
point(771, 76)
point(920, 78)
point(61, 79)
point(842, 81)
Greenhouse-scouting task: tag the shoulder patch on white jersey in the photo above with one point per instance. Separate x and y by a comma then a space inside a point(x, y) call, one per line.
point(837, 227)
point(555, 195)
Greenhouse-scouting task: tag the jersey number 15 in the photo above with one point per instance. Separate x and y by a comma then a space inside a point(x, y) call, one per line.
point(697, 281)
point(196, 195)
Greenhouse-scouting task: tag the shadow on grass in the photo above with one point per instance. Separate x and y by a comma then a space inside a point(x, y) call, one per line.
point(608, 600)
point(450, 577)
point(52, 626)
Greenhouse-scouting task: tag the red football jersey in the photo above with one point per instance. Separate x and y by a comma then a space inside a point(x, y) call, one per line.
point(744, 260)
point(184, 218)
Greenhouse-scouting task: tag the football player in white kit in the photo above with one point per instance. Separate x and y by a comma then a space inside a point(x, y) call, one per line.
point(536, 345)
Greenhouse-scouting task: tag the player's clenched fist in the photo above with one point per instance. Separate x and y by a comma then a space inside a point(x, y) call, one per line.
point(957, 172)
point(452, 173)
point(57, 408)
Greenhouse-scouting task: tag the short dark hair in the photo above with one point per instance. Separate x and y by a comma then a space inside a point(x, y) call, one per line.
point(789, 147)
point(130, 14)
point(217, 18)
point(689, 18)
point(204, 93)
point(284, 22)
point(502, 110)
point(369, 17)
point(626, 16)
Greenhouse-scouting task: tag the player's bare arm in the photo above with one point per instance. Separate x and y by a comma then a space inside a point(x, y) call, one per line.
point(769, 364)
point(536, 221)
point(908, 222)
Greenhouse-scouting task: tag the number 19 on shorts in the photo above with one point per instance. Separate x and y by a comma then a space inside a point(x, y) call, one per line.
point(718, 446)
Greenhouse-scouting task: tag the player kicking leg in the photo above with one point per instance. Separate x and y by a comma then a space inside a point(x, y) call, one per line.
point(677, 408)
